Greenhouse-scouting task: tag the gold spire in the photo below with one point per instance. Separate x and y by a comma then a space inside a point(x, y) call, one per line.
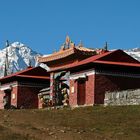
point(67, 40)
point(80, 44)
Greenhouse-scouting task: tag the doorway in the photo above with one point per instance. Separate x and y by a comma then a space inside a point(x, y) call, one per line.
point(81, 92)
point(7, 99)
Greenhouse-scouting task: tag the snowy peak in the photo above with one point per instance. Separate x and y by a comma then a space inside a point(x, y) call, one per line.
point(135, 52)
point(17, 45)
point(19, 57)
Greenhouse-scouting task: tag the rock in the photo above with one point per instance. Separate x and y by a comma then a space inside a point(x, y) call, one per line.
point(6, 116)
point(82, 131)
point(93, 129)
point(125, 97)
point(43, 128)
point(51, 133)
point(48, 129)
point(63, 131)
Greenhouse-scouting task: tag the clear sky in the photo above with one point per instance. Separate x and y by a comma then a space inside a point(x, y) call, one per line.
point(44, 24)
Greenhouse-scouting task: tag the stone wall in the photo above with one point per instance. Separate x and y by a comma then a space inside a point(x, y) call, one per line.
point(111, 82)
point(125, 97)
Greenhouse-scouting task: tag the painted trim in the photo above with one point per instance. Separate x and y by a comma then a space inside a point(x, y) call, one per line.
point(118, 74)
point(7, 87)
point(30, 86)
point(82, 74)
point(21, 84)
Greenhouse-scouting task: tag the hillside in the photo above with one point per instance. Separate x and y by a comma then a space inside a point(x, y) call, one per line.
point(98, 123)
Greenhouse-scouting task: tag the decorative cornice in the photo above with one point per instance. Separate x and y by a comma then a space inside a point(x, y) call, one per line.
point(122, 74)
point(82, 74)
point(67, 52)
point(57, 55)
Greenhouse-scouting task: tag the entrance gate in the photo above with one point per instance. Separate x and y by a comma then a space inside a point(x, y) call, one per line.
point(81, 92)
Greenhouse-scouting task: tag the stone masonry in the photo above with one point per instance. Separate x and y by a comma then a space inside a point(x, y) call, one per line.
point(125, 97)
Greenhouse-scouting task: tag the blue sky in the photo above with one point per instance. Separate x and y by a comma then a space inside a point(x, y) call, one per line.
point(44, 24)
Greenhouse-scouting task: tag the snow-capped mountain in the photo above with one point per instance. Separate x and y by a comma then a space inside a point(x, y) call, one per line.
point(134, 53)
point(19, 57)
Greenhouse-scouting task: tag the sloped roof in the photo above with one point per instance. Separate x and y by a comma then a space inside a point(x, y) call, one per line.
point(118, 63)
point(98, 59)
point(30, 72)
point(85, 61)
point(67, 52)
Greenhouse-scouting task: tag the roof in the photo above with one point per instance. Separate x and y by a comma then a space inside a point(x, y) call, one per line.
point(118, 63)
point(67, 52)
point(98, 59)
point(67, 49)
point(33, 77)
point(30, 72)
point(85, 61)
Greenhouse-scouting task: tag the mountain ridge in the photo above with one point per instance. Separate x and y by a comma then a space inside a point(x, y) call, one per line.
point(135, 53)
point(21, 56)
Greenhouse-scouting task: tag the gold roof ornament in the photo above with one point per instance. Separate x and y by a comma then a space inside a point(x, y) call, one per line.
point(80, 44)
point(68, 49)
point(67, 40)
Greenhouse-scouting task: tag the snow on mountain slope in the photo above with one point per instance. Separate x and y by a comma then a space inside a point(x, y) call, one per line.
point(19, 57)
point(134, 53)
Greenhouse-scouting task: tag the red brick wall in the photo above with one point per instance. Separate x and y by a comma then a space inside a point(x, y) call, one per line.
point(40, 103)
point(90, 90)
point(89, 95)
point(13, 91)
point(73, 95)
point(14, 100)
point(105, 83)
point(28, 97)
point(22, 95)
